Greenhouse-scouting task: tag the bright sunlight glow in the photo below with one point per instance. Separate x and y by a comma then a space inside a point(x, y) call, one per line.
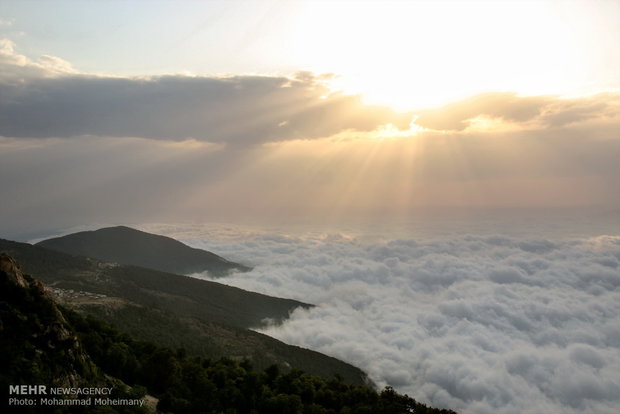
point(412, 54)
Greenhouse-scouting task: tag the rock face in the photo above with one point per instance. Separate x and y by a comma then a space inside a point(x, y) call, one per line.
point(11, 271)
point(37, 344)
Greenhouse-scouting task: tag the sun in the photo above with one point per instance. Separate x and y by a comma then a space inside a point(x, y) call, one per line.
point(415, 54)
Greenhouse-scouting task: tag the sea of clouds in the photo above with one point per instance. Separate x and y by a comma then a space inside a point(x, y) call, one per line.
point(478, 324)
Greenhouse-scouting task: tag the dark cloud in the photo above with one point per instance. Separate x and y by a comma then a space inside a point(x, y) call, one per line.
point(48, 98)
point(237, 110)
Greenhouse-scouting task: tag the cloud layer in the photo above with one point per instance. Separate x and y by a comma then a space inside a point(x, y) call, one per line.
point(48, 99)
point(490, 324)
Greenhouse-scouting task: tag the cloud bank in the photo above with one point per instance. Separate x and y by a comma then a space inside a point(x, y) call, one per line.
point(489, 324)
point(48, 99)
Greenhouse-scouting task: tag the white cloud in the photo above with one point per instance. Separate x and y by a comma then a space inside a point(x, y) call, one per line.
point(17, 69)
point(478, 324)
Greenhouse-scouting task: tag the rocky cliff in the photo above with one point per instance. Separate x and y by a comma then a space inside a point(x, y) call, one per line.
point(36, 342)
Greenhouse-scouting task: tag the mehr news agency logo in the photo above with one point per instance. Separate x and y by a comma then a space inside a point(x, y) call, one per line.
point(42, 395)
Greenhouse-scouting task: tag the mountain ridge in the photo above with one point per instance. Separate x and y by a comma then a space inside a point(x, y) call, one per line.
point(129, 246)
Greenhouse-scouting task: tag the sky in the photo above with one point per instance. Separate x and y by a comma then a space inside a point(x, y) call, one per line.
point(413, 168)
point(304, 110)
